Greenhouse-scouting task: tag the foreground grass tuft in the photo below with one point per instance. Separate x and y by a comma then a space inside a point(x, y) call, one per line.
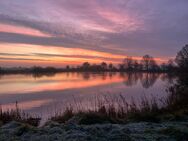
point(19, 116)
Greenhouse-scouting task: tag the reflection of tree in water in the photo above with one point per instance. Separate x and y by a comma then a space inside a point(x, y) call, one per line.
point(102, 75)
point(149, 79)
point(39, 75)
point(67, 74)
point(132, 78)
point(168, 77)
point(86, 75)
point(1, 76)
point(111, 74)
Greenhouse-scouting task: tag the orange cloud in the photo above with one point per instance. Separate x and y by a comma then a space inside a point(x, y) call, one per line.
point(29, 55)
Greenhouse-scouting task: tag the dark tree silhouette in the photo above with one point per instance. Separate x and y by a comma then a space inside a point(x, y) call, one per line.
point(149, 64)
point(67, 67)
point(164, 67)
point(131, 79)
point(110, 66)
point(121, 67)
point(182, 58)
point(154, 66)
point(136, 65)
point(170, 65)
point(86, 66)
point(146, 60)
point(128, 63)
point(149, 79)
point(104, 66)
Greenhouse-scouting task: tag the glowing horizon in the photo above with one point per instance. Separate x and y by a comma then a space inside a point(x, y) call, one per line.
point(32, 55)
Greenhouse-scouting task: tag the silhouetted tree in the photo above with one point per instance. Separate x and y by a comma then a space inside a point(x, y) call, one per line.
point(164, 67)
point(146, 62)
point(140, 66)
point(67, 67)
point(96, 68)
point(36, 69)
point(121, 67)
point(154, 66)
point(170, 65)
point(128, 63)
point(182, 58)
point(149, 64)
point(86, 66)
point(110, 66)
point(136, 65)
point(104, 66)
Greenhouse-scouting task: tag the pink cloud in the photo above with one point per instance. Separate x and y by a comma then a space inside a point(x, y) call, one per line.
point(21, 30)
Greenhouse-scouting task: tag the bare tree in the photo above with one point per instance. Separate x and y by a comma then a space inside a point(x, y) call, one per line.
point(110, 66)
point(67, 67)
point(128, 63)
point(136, 65)
point(149, 64)
point(170, 64)
point(104, 65)
point(86, 65)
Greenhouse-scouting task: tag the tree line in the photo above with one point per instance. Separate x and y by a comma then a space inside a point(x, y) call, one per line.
point(146, 64)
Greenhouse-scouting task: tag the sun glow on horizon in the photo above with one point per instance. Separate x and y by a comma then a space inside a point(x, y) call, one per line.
point(30, 55)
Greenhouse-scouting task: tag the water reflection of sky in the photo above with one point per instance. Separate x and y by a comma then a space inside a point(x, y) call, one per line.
point(44, 94)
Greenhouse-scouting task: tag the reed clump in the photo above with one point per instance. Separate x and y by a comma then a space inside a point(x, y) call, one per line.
point(118, 110)
point(19, 116)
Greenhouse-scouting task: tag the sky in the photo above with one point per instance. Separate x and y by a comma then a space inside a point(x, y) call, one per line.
point(61, 32)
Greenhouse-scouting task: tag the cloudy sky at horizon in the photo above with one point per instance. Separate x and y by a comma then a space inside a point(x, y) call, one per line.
point(60, 32)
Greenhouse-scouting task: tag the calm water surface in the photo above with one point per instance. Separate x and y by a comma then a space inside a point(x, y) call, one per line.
point(46, 94)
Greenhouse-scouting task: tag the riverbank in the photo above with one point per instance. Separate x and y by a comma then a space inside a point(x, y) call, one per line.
point(95, 126)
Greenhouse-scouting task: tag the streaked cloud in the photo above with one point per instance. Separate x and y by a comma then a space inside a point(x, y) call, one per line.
point(119, 28)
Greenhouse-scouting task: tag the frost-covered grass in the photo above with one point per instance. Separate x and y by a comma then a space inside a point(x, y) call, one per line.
point(140, 131)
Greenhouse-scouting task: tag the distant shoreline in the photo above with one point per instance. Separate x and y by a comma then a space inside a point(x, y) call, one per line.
point(73, 70)
point(53, 73)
